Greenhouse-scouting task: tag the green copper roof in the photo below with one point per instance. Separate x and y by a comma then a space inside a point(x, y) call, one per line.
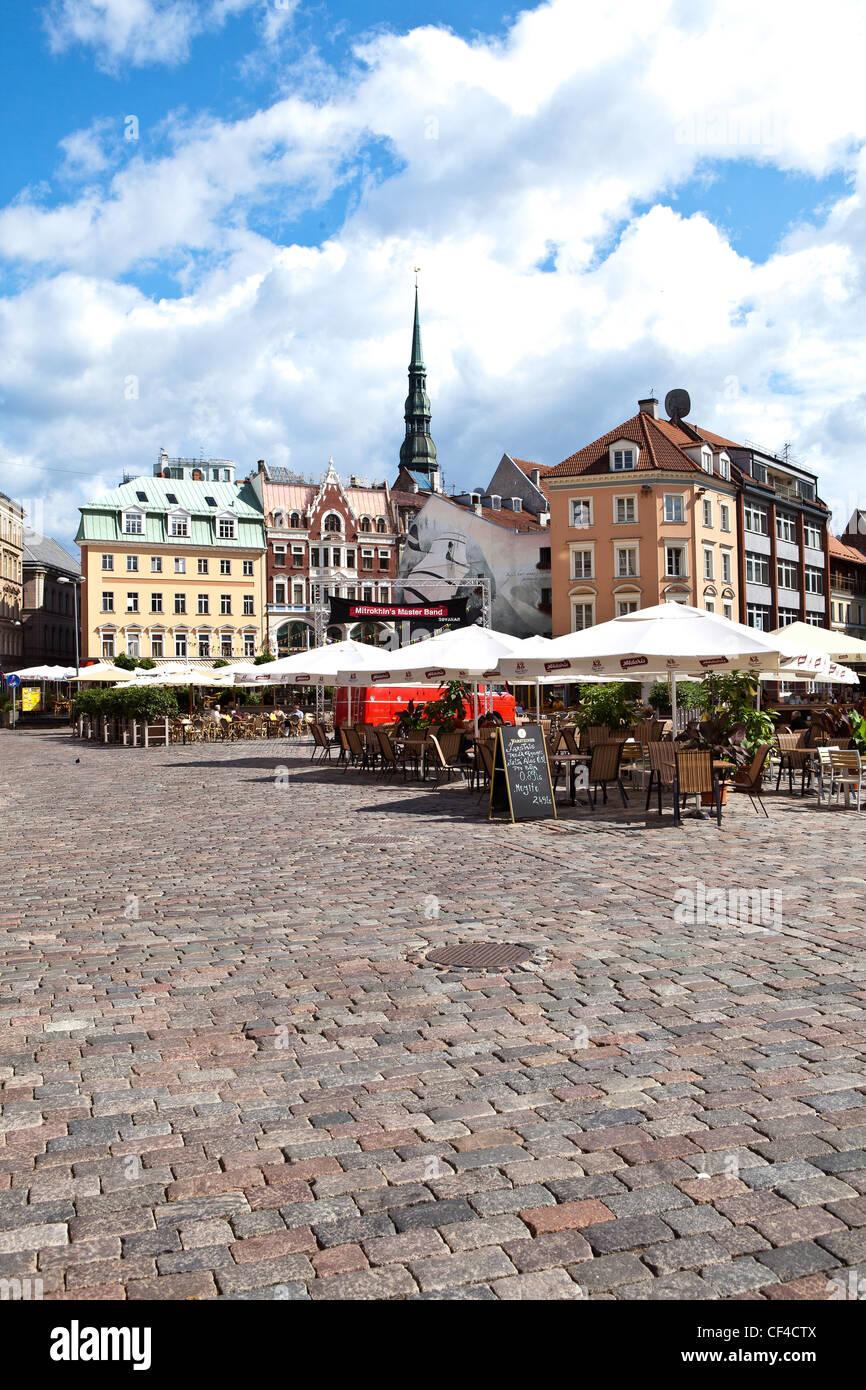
point(417, 452)
point(102, 519)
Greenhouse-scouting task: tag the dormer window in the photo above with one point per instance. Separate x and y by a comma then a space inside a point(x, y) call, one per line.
point(623, 456)
point(133, 523)
point(707, 460)
point(725, 467)
point(226, 528)
point(178, 524)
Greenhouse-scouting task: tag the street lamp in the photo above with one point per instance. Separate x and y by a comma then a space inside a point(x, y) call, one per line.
point(62, 579)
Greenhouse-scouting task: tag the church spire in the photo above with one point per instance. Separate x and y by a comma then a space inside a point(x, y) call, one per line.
point(418, 452)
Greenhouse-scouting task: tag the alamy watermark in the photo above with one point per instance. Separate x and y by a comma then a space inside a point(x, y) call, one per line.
point(755, 909)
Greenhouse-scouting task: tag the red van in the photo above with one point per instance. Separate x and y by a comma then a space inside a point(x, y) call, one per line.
point(381, 704)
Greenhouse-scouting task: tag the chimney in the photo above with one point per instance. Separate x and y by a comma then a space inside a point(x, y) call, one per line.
point(536, 477)
point(649, 406)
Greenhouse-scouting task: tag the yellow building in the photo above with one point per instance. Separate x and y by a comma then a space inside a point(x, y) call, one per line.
point(174, 565)
point(11, 582)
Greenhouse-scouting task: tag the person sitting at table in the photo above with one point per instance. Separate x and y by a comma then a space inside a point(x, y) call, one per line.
point(215, 714)
point(492, 720)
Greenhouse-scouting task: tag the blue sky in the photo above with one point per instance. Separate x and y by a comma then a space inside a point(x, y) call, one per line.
point(644, 192)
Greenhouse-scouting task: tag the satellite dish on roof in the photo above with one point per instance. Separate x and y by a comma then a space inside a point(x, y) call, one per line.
point(677, 405)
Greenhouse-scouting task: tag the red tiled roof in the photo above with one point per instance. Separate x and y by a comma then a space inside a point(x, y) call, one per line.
point(656, 449)
point(527, 466)
point(511, 521)
point(845, 552)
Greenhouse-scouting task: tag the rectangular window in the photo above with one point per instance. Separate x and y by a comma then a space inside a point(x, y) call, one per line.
point(815, 619)
point(225, 604)
point(788, 615)
point(249, 608)
point(314, 555)
point(326, 557)
point(367, 594)
point(756, 519)
point(180, 644)
point(279, 556)
point(725, 467)
point(180, 603)
point(203, 603)
point(366, 559)
point(279, 592)
point(625, 605)
point(156, 564)
point(624, 511)
point(298, 594)
point(248, 568)
point(133, 525)
point(728, 611)
point(625, 561)
point(108, 601)
point(623, 460)
point(724, 516)
point(179, 526)
point(297, 556)
point(180, 564)
point(710, 606)
point(108, 644)
point(787, 574)
point(132, 564)
point(156, 646)
point(131, 602)
point(758, 616)
point(814, 580)
point(726, 567)
point(757, 568)
point(709, 563)
point(708, 512)
point(226, 529)
point(581, 513)
point(225, 566)
point(675, 561)
point(673, 507)
point(581, 564)
point(202, 566)
point(204, 644)
point(759, 471)
point(226, 644)
point(581, 616)
point(812, 536)
point(156, 603)
point(786, 527)
point(249, 644)
point(108, 562)
point(350, 559)
point(384, 558)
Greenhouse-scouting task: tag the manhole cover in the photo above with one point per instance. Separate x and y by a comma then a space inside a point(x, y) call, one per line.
point(483, 953)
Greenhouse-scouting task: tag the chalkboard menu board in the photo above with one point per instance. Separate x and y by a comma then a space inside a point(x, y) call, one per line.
point(521, 782)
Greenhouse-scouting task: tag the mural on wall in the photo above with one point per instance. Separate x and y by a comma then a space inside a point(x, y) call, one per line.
point(447, 547)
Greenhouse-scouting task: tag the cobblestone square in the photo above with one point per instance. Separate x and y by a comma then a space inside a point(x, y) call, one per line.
point(229, 1072)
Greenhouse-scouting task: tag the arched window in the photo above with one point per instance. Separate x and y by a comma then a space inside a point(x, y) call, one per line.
point(333, 522)
point(279, 518)
point(295, 521)
point(365, 524)
point(381, 524)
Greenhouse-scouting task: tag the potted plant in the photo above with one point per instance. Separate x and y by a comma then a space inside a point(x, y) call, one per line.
point(732, 727)
point(612, 706)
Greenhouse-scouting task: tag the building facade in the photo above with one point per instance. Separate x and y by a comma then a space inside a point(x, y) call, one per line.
point(847, 586)
point(645, 514)
point(48, 612)
point(331, 539)
point(11, 583)
point(174, 565)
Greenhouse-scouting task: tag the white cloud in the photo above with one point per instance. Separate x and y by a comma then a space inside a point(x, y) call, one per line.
point(136, 32)
point(501, 151)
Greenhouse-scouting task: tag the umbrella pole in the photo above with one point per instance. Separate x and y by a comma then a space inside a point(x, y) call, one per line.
point(672, 682)
point(475, 705)
point(538, 702)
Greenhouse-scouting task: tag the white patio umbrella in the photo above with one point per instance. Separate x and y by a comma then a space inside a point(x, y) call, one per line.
point(837, 645)
point(468, 654)
point(46, 673)
point(315, 666)
point(670, 640)
point(103, 671)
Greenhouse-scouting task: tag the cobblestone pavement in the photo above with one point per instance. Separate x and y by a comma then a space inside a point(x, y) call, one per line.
point(228, 1071)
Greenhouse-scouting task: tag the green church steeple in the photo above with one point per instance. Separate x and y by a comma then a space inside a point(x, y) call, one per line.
point(418, 452)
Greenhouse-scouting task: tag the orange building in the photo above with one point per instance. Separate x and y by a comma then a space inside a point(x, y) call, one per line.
point(647, 513)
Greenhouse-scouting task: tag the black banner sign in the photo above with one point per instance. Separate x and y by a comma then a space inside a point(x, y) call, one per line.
point(521, 781)
point(451, 613)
